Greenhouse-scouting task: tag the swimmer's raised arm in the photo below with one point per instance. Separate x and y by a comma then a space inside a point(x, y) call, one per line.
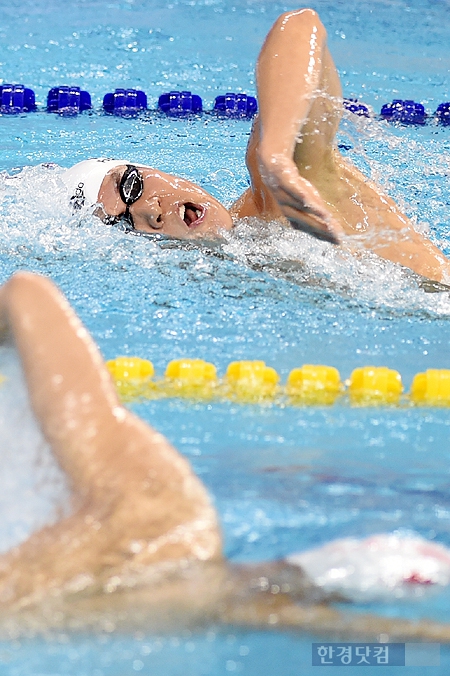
point(294, 69)
point(295, 167)
point(137, 501)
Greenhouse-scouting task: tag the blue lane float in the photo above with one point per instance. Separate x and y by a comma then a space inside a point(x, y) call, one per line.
point(179, 103)
point(68, 100)
point(15, 98)
point(442, 113)
point(356, 107)
point(404, 112)
point(235, 105)
point(125, 102)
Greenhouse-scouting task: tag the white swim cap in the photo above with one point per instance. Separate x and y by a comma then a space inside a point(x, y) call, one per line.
point(84, 180)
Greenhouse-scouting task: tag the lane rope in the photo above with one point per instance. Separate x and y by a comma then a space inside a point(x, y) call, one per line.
point(72, 100)
point(255, 382)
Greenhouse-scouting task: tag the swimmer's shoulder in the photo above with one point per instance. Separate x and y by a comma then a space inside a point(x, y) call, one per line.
point(244, 206)
point(256, 204)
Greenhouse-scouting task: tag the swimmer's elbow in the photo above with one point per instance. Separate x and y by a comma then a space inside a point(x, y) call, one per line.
point(301, 19)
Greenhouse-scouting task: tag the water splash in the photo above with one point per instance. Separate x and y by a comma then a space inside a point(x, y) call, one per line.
point(33, 490)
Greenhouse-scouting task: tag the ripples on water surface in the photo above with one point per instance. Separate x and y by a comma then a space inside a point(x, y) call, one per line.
point(277, 474)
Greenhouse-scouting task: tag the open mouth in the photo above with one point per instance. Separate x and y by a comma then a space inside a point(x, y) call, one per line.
point(191, 214)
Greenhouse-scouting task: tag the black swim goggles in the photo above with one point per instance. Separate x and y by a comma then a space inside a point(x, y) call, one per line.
point(131, 187)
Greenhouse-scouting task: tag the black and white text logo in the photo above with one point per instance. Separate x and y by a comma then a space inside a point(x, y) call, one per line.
point(78, 199)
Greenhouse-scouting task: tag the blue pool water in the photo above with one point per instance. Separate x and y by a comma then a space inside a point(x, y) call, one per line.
point(283, 479)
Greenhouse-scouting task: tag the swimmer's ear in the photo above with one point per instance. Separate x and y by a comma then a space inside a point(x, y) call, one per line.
point(109, 455)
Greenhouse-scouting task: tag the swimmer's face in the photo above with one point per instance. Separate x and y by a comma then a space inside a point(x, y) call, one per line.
point(168, 205)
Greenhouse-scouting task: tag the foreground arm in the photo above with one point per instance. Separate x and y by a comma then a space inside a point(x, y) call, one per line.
point(324, 620)
point(137, 501)
point(140, 513)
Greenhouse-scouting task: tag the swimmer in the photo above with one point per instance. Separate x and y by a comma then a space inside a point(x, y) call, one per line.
point(144, 199)
point(297, 173)
point(141, 548)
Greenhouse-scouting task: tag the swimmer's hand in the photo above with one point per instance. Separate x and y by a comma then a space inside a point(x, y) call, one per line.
point(298, 199)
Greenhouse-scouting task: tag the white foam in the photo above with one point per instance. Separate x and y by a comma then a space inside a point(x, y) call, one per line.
point(33, 490)
point(298, 257)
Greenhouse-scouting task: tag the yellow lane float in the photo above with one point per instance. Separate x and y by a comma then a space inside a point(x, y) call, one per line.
point(133, 377)
point(431, 388)
point(191, 378)
point(255, 382)
point(250, 381)
point(314, 384)
point(375, 385)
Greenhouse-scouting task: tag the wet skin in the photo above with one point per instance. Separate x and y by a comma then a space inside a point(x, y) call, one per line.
point(297, 174)
point(141, 549)
point(169, 205)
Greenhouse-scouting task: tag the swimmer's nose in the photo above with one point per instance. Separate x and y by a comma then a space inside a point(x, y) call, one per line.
point(151, 212)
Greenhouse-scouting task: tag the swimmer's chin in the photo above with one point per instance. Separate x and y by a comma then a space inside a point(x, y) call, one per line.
point(211, 238)
point(211, 233)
